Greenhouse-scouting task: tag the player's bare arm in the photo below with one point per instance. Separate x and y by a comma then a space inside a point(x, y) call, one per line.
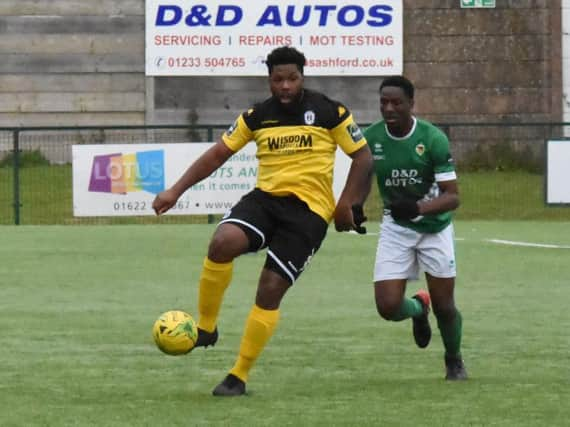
point(448, 200)
point(203, 167)
point(355, 190)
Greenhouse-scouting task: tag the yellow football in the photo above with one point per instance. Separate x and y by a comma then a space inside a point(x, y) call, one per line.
point(175, 332)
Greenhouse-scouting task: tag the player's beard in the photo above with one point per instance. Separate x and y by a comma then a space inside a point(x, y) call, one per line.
point(295, 105)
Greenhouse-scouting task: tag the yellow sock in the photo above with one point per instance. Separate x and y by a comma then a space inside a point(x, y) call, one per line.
point(259, 328)
point(214, 280)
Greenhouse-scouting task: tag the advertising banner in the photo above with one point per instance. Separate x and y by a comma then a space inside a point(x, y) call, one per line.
point(123, 179)
point(233, 37)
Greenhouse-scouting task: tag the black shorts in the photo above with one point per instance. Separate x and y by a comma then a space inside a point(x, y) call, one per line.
point(285, 225)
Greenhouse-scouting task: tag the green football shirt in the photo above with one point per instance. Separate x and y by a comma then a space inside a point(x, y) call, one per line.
point(410, 167)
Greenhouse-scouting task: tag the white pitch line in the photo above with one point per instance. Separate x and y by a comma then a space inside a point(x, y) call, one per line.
point(376, 234)
point(497, 241)
point(358, 234)
point(533, 245)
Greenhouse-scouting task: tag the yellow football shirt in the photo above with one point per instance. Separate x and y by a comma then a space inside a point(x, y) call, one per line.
point(296, 148)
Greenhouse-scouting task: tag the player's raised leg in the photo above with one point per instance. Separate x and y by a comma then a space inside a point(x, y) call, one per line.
point(228, 242)
point(420, 324)
point(392, 305)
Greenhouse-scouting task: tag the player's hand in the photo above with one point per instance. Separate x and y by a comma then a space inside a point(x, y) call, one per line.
point(358, 218)
point(164, 201)
point(343, 220)
point(404, 209)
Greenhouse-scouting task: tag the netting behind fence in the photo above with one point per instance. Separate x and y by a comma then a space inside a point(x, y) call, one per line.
point(501, 171)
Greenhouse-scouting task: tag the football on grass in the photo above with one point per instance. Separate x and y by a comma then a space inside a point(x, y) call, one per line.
point(175, 332)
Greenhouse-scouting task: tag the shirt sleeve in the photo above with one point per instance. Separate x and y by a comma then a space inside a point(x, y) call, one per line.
point(348, 135)
point(444, 167)
point(237, 135)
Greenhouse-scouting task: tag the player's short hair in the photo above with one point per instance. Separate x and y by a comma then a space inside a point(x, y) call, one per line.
point(285, 55)
point(399, 81)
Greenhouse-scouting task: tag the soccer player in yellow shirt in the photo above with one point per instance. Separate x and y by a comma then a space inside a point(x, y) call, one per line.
point(297, 132)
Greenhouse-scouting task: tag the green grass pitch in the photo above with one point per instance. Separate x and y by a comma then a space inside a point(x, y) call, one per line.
point(77, 306)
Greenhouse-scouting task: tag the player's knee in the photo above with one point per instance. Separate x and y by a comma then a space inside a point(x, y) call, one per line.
point(271, 290)
point(216, 247)
point(445, 312)
point(387, 308)
point(224, 247)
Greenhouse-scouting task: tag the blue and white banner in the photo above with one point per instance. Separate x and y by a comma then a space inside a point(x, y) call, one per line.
point(233, 37)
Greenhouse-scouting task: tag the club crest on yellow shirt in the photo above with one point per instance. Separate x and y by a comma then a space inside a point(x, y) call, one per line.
point(309, 117)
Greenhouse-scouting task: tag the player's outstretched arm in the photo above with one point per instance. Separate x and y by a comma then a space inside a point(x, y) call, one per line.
point(355, 190)
point(203, 167)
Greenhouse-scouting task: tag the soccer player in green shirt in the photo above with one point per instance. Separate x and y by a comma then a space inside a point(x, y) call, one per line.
point(418, 186)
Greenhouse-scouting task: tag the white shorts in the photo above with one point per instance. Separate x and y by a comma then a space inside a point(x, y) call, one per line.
point(402, 252)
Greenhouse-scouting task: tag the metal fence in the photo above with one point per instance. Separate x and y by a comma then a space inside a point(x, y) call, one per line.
point(501, 169)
